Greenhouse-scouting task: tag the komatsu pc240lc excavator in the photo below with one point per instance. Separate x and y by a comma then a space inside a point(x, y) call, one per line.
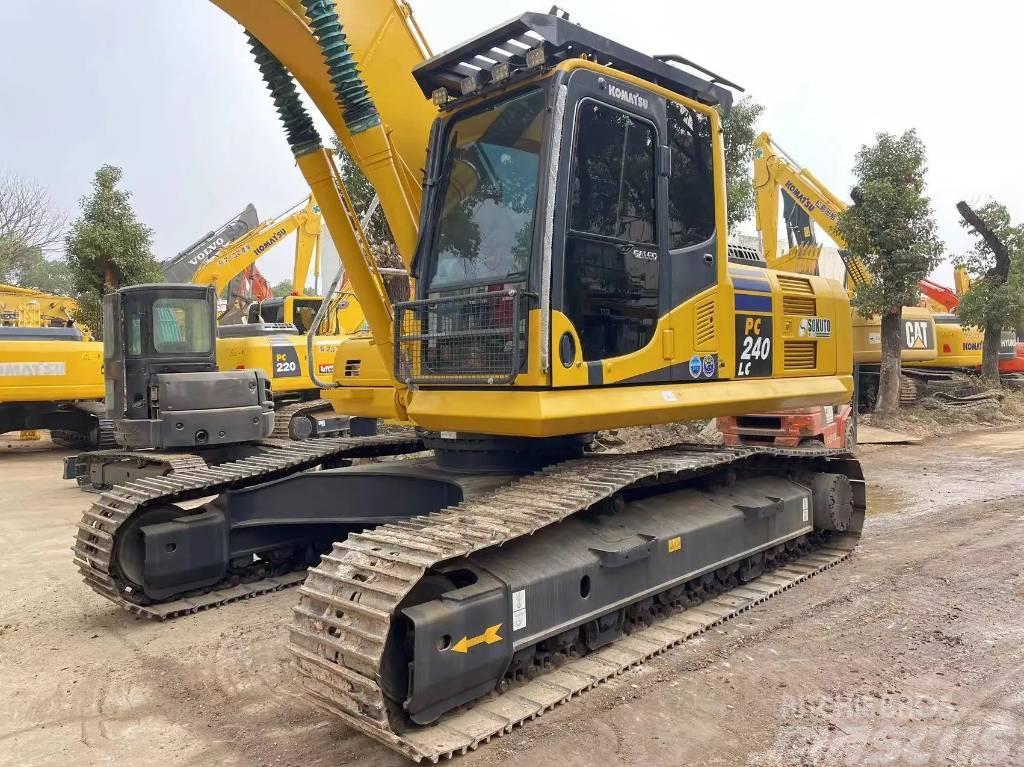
point(572, 274)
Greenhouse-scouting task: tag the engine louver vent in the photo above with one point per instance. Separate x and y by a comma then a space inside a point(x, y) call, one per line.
point(705, 324)
point(797, 296)
point(800, 355)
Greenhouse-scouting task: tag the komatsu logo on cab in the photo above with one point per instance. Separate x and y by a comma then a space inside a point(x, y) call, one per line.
point(630, 97)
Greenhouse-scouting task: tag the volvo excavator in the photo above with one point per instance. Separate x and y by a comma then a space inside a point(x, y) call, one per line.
point(572, 273)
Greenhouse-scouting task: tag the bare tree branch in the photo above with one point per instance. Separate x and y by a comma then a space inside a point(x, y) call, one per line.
point(28, 222)
point(995, 244)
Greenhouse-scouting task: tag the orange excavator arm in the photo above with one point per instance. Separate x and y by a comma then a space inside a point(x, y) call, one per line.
point(941, 295)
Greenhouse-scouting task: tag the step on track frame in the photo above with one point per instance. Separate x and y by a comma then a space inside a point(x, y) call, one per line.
point(94, 540)
point(348, 600)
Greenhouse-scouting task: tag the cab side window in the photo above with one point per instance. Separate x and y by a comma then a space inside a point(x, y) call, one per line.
point(691, 185)
point(611, 253)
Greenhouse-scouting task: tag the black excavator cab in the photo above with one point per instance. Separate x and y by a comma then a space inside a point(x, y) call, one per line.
point(163, 388)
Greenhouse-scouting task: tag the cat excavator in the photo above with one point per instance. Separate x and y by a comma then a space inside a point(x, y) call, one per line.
point(572, 273)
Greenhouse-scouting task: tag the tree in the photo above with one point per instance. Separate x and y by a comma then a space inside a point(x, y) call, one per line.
point(29, 226)
point(283, 288)
point(738, 133)
point(378, 233)
point(996, 297)
point(107, 247)
point(51, 275)
point(891, 228)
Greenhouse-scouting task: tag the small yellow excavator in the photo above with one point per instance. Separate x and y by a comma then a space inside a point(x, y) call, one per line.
point(572, 273)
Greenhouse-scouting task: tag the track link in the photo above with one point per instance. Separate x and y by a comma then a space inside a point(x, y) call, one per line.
point(97, 531)
point(104, 439)
point(343, 618)
point(172, 462)
point(283, 415)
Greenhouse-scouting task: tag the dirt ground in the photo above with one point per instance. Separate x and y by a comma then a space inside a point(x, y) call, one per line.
point(911, 653)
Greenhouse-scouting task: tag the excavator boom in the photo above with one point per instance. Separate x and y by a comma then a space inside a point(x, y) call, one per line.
point(302, 220)
point(383, 37)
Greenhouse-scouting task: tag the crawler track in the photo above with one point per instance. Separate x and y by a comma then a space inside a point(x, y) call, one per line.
point(283, 415)
point(343, 618)
point(97, 531)
point(104, 439)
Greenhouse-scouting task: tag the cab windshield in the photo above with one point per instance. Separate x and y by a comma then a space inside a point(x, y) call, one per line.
point(180, 326)
point(489, 188)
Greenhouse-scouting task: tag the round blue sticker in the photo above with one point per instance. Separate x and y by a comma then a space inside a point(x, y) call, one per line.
point(709, 366)
point(695, 366)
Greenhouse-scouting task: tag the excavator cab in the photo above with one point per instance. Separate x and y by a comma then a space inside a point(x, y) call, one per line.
point(163, 388)
point(289, 310)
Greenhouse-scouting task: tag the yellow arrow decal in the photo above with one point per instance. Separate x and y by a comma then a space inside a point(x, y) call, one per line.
point(490, 636)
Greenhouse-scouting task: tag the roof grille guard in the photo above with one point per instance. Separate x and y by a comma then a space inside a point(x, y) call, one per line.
point(499, 57)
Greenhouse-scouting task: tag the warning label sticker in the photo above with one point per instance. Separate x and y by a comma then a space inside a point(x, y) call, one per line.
point(518, 610)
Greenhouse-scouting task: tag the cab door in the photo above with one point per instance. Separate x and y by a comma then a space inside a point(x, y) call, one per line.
point(608, 254)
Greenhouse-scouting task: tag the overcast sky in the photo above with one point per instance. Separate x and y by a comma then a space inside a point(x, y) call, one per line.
point(167, 90)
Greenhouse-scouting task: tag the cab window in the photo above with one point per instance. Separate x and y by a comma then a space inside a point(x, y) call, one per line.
point(691, 185)
point(181, 326)
point(611, 253)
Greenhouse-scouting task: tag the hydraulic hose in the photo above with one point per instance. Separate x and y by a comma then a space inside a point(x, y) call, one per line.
point(302, 134)
point(358, 109)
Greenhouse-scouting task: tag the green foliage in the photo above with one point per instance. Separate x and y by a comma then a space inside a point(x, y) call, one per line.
point(361, 191)
point(382, 242)
point(739, 129)
point(107, 247)
point(283, 288)
point(988, 302)
point(890, 226)
point(49, 275)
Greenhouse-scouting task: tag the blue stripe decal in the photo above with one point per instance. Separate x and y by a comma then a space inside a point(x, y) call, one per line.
point(753, 303)
point(755, 286)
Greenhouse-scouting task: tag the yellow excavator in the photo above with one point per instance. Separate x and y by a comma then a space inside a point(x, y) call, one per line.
point(51, 374)
point(572, 273)
point(30, 307)
point(940, 299)
point(935, 344)
point(270, 334)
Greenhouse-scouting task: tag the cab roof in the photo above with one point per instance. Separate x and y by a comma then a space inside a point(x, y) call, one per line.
point(561, 40)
